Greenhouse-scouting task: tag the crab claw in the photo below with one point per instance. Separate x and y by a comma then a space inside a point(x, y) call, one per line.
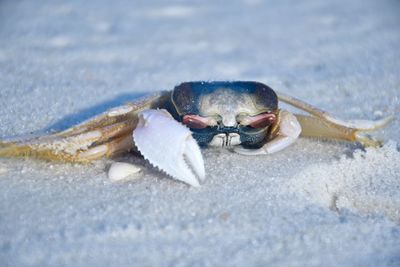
point(169, 146)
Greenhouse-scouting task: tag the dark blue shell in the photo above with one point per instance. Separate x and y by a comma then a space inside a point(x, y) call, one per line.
point(185, 97)
point(185, 100)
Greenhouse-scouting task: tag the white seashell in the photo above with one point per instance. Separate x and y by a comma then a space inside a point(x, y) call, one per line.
point(169, 146)
point(122, 171)
point(3, 170)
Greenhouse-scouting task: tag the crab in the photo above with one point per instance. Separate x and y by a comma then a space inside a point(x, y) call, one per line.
point(168, 128)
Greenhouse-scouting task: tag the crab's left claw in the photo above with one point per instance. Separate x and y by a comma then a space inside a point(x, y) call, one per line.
point(169, 146)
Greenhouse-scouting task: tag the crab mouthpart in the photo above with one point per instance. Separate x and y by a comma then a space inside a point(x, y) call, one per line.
point(225, 140)
point(169, 146)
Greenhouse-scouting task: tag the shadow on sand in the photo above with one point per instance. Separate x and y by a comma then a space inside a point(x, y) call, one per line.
point(87, 113)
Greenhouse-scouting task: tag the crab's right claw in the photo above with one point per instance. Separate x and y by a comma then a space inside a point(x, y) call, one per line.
point(169, 146)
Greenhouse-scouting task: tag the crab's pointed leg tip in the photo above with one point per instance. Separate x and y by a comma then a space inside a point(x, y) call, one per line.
point(387, 119)
point(372, 125)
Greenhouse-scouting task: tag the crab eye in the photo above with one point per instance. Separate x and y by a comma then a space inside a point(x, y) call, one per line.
point(195, 121)
point(262, 120)
point(259, 121)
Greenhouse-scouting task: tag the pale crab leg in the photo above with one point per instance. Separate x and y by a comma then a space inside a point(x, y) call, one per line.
point(169, 146)
point(322, 124)
point(114, 115)
point(116, 146)
point(82, 148)
point(166, 143)
point(104, 135)
point(289, 131)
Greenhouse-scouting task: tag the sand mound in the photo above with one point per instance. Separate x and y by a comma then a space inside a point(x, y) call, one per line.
point(369, 182)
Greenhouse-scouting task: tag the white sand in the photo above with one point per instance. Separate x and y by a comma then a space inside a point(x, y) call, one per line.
point(317, 203)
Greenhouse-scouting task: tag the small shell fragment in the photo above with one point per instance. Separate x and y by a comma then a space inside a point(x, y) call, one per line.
point(122, 171)
point(3, 170)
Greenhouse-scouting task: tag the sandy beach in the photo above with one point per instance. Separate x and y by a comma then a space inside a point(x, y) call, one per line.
point(317, 203)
